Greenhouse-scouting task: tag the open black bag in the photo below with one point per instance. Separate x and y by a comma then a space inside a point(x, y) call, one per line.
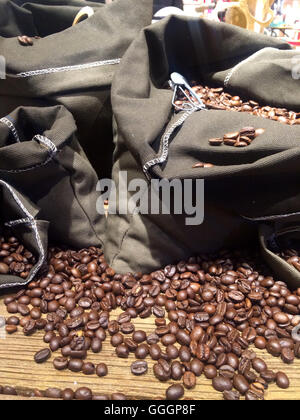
point(247, 188)
point(69, 65)
point(47, 185)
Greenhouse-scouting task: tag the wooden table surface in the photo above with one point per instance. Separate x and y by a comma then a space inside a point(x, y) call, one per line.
point(17, 368)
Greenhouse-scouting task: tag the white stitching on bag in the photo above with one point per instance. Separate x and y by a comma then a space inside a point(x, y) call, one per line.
point(52, 152)
point(239, 65)
point(30, 220)
point(12, 128)
point(13, 223)
point(68, 68)
point(165, 142)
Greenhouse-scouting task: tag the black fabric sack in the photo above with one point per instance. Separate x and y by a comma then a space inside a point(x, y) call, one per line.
point(48, 187)
point(72, 66)
point(246, 187)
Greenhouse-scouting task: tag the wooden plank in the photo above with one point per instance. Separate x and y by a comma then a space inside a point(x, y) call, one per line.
point(17, 368)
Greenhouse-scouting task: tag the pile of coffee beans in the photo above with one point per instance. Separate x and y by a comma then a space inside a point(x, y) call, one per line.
point(242, 138)
point(292, 257)
point(208, 311)
point(83, 394)
point(14, 258)
point(218, 99)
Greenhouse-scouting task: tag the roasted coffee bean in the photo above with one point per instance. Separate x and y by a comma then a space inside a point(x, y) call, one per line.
point(4, 268)
point(53, 393)
point(11, 329)
point(210, 371)
point(101, 370)
point(287, 355)
point(231, 395)
point(175, 392)
point(259, 365)
point(139, 368)
point(83, 394)
point(227, 371)
point(268, 375)
point(42, 356)
point(122, 351)
point(274, 347)
point(142, 351)
point(75, 365)
point(139, 336)
point(176, 371)
point(260, 343)
point(253, 395)
point(282, 380)
point(221, 383)
point(60, 363)
point(189, 380)
point(240, 384)
point(67, 394)
point(25, 40)
point(88, 368)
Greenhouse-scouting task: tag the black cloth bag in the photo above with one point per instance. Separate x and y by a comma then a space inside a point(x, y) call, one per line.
point(48, 186)
point(69, 65)
point(247, 188)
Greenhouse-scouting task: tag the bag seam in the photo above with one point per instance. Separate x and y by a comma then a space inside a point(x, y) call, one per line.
point(64, 69)
point(32, 222)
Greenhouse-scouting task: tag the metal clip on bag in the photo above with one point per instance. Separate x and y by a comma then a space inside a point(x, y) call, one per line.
point(153, 141)
point(48, 185)
point(69, 65)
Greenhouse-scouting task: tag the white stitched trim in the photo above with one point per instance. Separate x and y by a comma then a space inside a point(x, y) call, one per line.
point(18, 222)
point(32, 222)
point(52, 152)
point(68, 68)
point(12, 128)
point(272, 217)
point(165, 142)
point(242, 63)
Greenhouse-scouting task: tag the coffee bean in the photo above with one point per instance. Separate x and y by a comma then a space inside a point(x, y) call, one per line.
point(221, 383)
point(240, 384)
point(210, 371)
point(101, 370)
point(189, 380)
point(60, 363)
point(268, 375)
point(287, 355)
point(216, 142)
point(260, 343)
point(175, 392)
point(139, 336)
point(75, 365)
point(83, 394)
point(139, 368)
point(142, 351)
point(42, 356)
point(176, 371)
point(53, 393)
point(282, 380)
point(4, 268)
point(11, 329)
point(67, 394)
point(259, 365)
point(274, 347)
point(231, 395)
point(25, 40)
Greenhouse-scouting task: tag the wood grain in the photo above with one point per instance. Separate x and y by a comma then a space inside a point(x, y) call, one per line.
point(17, 368)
